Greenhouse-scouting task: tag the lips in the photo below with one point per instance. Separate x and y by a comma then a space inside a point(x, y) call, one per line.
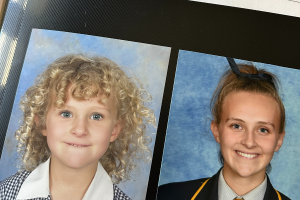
point(77, 145)
point(247, 155)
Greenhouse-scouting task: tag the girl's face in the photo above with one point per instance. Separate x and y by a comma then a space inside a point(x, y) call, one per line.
point(79, 134)
point(248, 133)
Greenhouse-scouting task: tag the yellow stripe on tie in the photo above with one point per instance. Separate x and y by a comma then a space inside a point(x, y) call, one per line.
point(195, 195)
point(279, 197)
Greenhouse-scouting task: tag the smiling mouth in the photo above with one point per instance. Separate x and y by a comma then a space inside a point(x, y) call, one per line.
point(77, 145)
point(247, 155)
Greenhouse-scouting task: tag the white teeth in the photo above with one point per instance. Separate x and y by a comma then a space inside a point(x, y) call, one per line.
point(247, 155)
point(76, 145)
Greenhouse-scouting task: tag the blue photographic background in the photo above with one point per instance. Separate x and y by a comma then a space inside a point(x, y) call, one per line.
point(147, 62)
point(190, 150)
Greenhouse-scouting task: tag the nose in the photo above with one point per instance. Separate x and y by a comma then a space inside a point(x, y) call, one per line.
point(249, 139)
point(79, 127)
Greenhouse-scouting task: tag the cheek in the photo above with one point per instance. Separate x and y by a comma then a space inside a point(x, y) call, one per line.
point(51, 138)
point(268, 145)
point(50, 143)
point(102, 137)
point(101, 144)
point(104, 140)
point(228, 140)
point(54, 135)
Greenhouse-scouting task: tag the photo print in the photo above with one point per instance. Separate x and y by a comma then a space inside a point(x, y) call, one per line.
point(191, 152)
point(286, 7)
point(144, 62)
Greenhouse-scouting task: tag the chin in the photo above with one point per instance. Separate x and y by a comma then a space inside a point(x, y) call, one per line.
point(246, 172)
point(76, 163)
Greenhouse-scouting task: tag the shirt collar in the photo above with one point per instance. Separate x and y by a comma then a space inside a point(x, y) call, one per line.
point(225, 192)
point(37, 184)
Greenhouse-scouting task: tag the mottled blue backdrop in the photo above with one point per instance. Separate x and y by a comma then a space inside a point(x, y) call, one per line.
point(190, 150)
point(147, 62)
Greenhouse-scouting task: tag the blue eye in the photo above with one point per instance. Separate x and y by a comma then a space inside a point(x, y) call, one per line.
point(96, 116)
point(66, 114)
point(264, 130)
point(236, 126)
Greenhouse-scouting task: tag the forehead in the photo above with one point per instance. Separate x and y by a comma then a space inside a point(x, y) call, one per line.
point(251, 105)
point(244, 96)
point(71, 95)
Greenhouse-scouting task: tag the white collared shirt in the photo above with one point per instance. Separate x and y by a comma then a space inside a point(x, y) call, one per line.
point(226, 193)
point(37, 184)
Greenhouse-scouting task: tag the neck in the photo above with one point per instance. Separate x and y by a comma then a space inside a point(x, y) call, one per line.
point(64, 180)
point(241, 185)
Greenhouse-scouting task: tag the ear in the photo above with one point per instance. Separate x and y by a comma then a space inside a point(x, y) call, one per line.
point(215, 131)
point(280, 141)
point(116, 131)
point(37, 122)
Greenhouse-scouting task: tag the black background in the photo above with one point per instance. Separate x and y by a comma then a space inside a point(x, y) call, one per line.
point(201, 27)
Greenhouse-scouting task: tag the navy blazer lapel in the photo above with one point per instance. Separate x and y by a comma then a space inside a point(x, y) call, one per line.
point(210, 190)
point(270, 191)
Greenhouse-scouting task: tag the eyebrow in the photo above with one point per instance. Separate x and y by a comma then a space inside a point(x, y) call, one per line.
point(232, 118)
point(268, 123)
point(260, 122)
point(94, 107)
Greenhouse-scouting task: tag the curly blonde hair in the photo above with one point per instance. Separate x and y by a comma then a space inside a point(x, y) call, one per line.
point(88, 77)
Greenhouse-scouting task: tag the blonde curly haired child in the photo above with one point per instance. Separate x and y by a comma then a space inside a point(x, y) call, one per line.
point(84, 127)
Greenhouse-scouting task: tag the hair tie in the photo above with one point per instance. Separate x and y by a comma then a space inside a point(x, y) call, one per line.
point(260, 76)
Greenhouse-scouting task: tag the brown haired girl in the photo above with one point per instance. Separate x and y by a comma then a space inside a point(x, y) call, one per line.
point(248, 123)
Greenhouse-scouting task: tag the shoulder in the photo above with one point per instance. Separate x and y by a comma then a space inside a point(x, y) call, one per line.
point(271, 192)
point(10, 186)
point(283, 197)
point(119, 194)
point(179, 190)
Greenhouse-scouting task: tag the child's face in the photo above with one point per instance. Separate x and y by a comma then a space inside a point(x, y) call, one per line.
point(79, 134)
point(248, 133)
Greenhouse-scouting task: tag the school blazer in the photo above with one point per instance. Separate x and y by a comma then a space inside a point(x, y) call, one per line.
point(186, 190)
